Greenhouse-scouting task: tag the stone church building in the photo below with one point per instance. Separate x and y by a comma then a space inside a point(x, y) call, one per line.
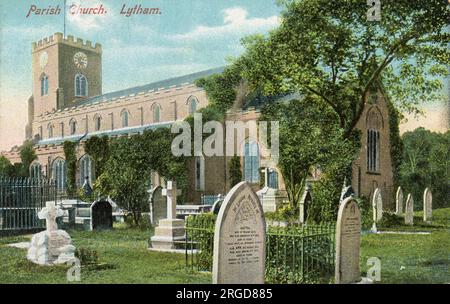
point(68, 105)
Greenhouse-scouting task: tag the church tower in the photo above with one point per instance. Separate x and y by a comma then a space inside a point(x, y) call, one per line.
point(65, 71)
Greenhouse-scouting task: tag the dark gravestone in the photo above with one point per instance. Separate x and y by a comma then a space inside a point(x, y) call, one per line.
point(346, 193)
point(217, 205)
point(101, 215)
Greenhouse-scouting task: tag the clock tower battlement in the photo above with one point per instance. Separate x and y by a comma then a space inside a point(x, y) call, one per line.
point(65, 71)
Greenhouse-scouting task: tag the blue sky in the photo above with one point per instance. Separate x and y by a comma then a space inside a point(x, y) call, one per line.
point(188, 36)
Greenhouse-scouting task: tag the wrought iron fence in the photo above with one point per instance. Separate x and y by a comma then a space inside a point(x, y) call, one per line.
point(20, 201)
point(297, 254)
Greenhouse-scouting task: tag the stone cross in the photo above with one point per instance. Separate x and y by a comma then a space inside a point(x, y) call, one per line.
point(50, 212)
point(399, 201)
point(171, 193)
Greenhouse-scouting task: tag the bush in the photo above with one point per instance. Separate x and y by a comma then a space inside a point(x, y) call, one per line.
point(285, 213)
point(366, 210)
point(87, 256)
point(390, 220)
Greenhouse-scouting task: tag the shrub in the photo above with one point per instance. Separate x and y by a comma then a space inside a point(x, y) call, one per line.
point(390, 220)
point(87, 256)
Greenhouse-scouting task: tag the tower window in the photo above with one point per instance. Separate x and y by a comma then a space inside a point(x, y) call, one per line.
point(36, 170)
point(251, 162)
point(373, 150)
point(44, 85)
point(81, 85)
point(199, 173)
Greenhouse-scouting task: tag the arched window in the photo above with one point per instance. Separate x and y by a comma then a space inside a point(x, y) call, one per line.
point(36, 170)
point(192, 104)
point(199, 173)
point(156, 108)
point(44, 85)
point(50, 128)
point(251, 162)
point(124, 115)
point(97, 122)
point(81, 85)
point(87, 170)
point(272, 177)
point(73, 126)
point(59, 174)
point(374, 125)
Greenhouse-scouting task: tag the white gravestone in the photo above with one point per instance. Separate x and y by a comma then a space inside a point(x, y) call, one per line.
point(377, 208)
point(239, 238)
point(409, 210)
point(348, 232)
point(51, 246)
point(399, 201)
point(170, 231)
point(305, 203)
point(427, 206)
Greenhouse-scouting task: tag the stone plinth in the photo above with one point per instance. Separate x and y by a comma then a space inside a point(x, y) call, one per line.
point(168, 233)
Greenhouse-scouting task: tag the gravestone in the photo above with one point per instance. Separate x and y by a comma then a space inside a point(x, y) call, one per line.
point(239, 238)
point(348, 232)
point(399, 201)
point(409, 210)
point(51, 246)
point(305, 203)
point(101, 215)
point(377, 209)
point(158, 206)
point(170, 231)
point(427, 206)
point(216, 206)
point(347, 191)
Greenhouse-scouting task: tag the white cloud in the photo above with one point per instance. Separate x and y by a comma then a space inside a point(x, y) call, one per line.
point(236, 22)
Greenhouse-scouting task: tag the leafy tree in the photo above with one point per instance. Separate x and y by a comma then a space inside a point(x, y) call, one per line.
point(426, 163)
point(27, 156)
point(131, 160)
point(5, 166)
point(71, 163)
point(235, 171)
point(330, 49)
point(309, 137)
point(98, 149)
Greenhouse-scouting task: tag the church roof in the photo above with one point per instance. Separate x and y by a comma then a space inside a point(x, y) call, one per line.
point(167, 83)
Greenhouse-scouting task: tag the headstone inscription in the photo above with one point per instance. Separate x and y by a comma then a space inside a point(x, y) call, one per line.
point(239, 238)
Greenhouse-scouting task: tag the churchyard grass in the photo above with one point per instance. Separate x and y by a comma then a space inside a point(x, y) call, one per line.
point(124, 258)
point(122, 254)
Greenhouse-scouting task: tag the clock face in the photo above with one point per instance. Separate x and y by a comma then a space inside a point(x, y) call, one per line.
point(43, 59)
point(80, 60)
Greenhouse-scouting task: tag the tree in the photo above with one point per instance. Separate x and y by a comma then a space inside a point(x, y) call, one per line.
point(127, 172)
point(27, 156)
point(330, 49)
point(98, 149)
point(71, 163)
point(310, 137)
point(426, 163)
point(5, 166)
point(235, 171)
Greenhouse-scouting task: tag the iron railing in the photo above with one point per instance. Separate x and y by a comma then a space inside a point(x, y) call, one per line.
point(20, 201)
point(297, 254)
